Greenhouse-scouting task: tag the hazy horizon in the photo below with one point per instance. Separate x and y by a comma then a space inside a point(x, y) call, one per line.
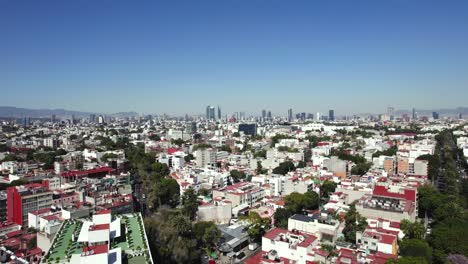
point(177, 57)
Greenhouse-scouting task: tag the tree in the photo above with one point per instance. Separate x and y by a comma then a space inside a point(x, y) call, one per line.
point(179, 142)
point(189, 204)
point(448, 210)
point(48, 158)
point(449, 237)
point(354, 222)
point(327, 188)
point(260, 154)
point(32, 243)
point(108, 156)
point(260, 169)
point(154, 137)
point(236, 134)
point(416, 248)
point(207, 233)
point(296, 202)
point(189, 158)
point(257, 226)
point(171, 238)
point(284, 167)
point(204, 192)
point(429, 199)
point(164, 192)
point(201, 146)
point(237, 175)
point(3, 148)
point(412, 230)
point(301, 164)
point(281, 217)
point(360, 168)
point(275, 139)
point(407, 260)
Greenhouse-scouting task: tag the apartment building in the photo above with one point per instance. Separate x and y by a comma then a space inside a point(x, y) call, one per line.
point(392, 203)
point(240, 193)
point(27, 198)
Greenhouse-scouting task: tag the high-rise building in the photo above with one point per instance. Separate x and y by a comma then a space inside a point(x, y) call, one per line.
point(290, 115)
point(264, 113)
point(331, 115)
point(92, 118)
point(269, 115)
point(248, 129)
point(415, 114)
point(26, 122)
point(390, 112)
point(191, 128)
point(317, 116)
point(435, 115)
point(302, 116)
point(210, 113)
point(27, 198)
point(242, 115)
point(310, 116)
point(53, 119)
point(219, 113)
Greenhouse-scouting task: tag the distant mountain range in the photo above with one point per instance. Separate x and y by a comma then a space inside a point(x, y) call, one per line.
point(442, 111)
point(16, 112)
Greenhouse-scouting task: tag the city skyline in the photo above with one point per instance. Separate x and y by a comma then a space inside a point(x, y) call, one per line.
point(176, 57)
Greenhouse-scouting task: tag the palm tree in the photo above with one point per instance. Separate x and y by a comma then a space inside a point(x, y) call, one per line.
point(412, 230)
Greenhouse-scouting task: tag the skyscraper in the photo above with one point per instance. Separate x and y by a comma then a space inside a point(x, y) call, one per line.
point(219, 113)
point(264, 114)
point(390, 112)
point(290, 115)
point(269, 115)
point(415, 114)
point(435, 115)
point(210, 113)
point(331, 115)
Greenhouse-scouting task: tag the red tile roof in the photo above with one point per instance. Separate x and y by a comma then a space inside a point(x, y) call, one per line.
point(87, 172)
point(99, 227)
point(407, 194)
point(94, 250)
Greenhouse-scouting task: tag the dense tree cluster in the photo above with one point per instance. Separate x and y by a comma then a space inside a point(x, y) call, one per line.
point(361, 167)
point(275, 139)
point(257, 226)
point(327, 188)
point(445, 201)
point(237, 175)
point(284, 168)
point(354, 222)
point(388, 152)
point(171, 237)
point(295, 203)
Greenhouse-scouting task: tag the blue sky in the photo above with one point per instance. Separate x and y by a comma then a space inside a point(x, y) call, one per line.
point(244, 55)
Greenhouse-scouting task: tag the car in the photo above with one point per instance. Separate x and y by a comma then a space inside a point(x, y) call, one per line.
point(239, 257)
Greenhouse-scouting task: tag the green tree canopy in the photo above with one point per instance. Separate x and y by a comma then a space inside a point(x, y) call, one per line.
point(284, 167)
point(189, 204)
point(296, 202)
point(327, 188)
point(416, 248)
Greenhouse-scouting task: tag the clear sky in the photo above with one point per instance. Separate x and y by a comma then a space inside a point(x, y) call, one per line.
point(245, 55)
